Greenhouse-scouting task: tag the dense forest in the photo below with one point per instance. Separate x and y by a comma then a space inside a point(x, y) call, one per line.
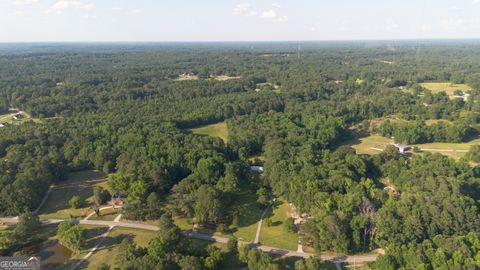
point(121, 109)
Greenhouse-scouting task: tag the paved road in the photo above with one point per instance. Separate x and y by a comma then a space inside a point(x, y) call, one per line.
point(213, 238)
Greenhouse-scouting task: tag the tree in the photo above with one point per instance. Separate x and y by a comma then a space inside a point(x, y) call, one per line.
point(100, 196)
point(72, 236)
point(75, 202)
point(474, 153)
point(28, 224)
point(104, 266)
point(289, 225)
point(208, 206)
point(127, 252)
point(7, 239)
point(214, 257)
point(190, 263)
point(154, 206)
point(268, 222)
point(232, 246)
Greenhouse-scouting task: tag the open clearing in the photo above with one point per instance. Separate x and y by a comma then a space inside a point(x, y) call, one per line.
point(8, 118)
point(108, 251)
point(276, 235)
point(226, 78)
point(78, 183)
point(184, 77)
point(374, 144)
point(219, 130)
point(447, 87)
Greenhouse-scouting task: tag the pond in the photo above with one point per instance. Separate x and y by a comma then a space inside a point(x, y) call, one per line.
point(52, 254)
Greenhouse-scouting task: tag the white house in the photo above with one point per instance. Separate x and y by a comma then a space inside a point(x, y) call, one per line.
point(463, 96)
point(258, 169)
point(402, 148)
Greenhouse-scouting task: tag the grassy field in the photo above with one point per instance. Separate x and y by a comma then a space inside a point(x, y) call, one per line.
point(364, 145)
point(225, 78)
point(108, 215)
point(456, 150)
point(78, 183)
point(276, 235)
point(187, 78)
point(219, 130)
point(7, 118)
point(447, 87)
point(109, 249)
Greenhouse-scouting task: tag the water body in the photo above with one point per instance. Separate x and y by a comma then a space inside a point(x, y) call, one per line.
point(52, 254)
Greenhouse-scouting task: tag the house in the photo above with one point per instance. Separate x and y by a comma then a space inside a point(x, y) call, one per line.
point(257, 169)
point(402, 148)
point(17, 116)
point(463, 96)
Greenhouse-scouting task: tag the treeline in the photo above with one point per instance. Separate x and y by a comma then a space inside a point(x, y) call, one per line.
point(418, 132)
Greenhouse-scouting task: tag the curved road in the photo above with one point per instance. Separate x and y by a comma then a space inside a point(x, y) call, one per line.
point(213, 238)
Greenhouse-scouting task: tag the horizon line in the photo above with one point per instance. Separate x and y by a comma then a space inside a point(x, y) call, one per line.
point(239, 41)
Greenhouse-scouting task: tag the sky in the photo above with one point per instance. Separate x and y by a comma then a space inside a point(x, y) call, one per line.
point(236, 20)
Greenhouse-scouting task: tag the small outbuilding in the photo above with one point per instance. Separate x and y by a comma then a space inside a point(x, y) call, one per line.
point(17, 116)
point(257, 169)
point(402, 148)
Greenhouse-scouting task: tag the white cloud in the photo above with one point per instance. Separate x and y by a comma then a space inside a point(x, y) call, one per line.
point(63, 5)
point(244, 9)
point(24, 2)
point(475, 1)
point(241, 8)
point(136, 11)
point(268, 14)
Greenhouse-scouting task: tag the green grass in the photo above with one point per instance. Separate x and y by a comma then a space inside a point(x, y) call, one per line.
point(364, 145)
point(248, 215)
point(447, 87)
point(108, 215)
point(107, 253)
point(78, 183)
point(183, 223)
point(7, 118)
point(219, 130)
point(276, 235)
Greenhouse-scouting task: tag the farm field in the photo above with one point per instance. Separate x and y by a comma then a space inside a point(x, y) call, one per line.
point(219, 130)
point(276, 235)
point(447, 87)
point(78, 183)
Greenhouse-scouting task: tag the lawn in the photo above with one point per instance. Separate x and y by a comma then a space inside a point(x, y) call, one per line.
point(108, 215)
point(225, 78)
point(248, 213)
point(7, 118)
point(366, 145)
point(187, 78)
point(107, 253)
point(219, 130)
point(276, 235)
point(447, 87)
point(78, 183)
